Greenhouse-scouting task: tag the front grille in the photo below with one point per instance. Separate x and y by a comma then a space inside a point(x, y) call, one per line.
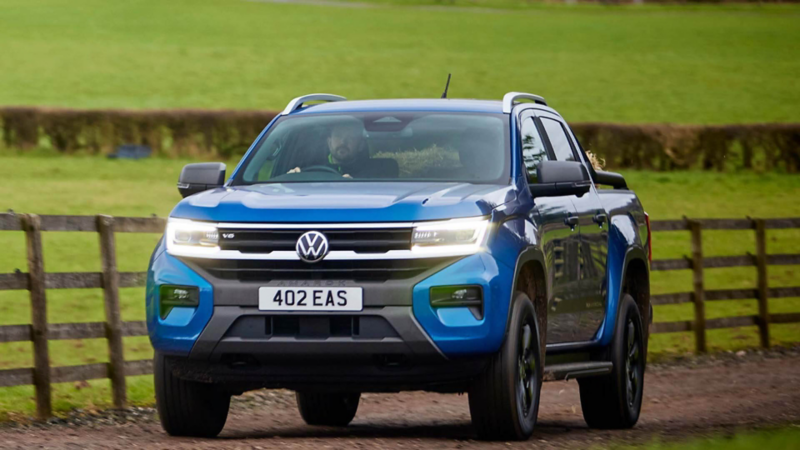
point(366, 240)
point(357, 270)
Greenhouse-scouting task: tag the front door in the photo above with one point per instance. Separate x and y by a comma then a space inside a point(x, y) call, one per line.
point(557, 218)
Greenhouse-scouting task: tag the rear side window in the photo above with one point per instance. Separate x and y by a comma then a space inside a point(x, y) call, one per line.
point(533, 150)
point(558, 139)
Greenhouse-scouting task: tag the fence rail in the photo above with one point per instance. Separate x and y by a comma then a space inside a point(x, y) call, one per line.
point(37, 282)
point(113, 329)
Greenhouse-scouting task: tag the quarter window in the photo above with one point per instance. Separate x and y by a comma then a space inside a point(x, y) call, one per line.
point(558, 139)
point(533, 151)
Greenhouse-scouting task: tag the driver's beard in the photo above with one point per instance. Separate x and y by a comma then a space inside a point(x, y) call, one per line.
point(349, 154)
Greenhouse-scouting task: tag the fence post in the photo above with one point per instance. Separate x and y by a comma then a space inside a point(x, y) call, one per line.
point(41, 354)
point(763, 284)
point(108, 255)
point(697, 281)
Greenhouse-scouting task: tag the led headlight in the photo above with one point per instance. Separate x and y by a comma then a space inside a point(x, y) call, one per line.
point(457, 235)
point(190, 238)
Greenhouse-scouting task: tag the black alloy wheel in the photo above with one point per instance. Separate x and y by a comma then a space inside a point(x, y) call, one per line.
point(528, 383)
point(633, 364)
point(504, 399)
point(614, 401)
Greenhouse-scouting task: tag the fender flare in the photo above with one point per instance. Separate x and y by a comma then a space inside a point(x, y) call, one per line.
point(606, 332)
point(528, 254)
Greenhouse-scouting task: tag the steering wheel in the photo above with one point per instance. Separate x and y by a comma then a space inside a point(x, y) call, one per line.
point(321, 168)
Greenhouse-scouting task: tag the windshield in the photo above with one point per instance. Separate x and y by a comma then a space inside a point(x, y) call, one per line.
point(388, 146)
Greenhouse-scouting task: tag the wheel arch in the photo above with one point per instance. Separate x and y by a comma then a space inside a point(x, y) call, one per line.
point(636, 282)
point(633, 273)
point(530, 278)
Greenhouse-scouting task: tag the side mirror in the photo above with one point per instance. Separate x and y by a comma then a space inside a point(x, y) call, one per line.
point(200, 177)
point(557, 178)
point(612, 179)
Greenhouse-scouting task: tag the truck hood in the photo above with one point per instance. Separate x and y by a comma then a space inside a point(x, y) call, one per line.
point(343, 202)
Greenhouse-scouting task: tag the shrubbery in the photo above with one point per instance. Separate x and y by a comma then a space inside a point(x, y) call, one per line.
point(194, 133)
point(227, 134)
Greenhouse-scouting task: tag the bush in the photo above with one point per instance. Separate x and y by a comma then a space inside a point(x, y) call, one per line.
point(670, 147)
point(228, 134)
point(192, 133)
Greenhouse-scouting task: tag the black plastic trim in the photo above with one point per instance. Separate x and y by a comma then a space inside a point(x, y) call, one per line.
point(612, 179)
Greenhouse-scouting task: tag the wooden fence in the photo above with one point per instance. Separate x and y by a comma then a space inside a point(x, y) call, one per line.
point(699, 295)
point(37, 282)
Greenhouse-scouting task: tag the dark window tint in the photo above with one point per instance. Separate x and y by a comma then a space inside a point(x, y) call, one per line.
point(558, 139)
point(533, 151)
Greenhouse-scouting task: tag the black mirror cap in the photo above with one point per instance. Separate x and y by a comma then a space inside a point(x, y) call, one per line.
point(562, 172)
point(561, 178)
point(200, 177)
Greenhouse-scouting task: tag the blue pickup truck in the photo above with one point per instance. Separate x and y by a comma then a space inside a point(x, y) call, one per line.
point(455, 246)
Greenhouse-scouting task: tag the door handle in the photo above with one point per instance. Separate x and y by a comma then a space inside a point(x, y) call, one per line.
point(600, 218)
point(572, 221)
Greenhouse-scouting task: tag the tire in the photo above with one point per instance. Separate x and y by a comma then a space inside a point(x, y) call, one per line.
point(504, 400)
point(614, 401)
point(188, 408)
point(327, 409)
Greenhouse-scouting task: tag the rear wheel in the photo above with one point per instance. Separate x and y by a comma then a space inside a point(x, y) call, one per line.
point(335, 409)
point(615, 400)
point(504, 400)
point(188, 408)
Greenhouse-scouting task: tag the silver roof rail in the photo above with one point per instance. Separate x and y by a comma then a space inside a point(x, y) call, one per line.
point(298, 102)
point(508, 100)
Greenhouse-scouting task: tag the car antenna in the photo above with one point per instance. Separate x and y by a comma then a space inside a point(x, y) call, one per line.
point(444, 95)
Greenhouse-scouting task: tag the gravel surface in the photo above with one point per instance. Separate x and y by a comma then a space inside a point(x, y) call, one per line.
point(697, 396)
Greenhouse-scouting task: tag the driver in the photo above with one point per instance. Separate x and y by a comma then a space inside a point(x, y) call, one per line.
point(347, 150)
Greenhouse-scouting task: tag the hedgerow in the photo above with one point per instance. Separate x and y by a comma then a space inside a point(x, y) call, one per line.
point(227, 134)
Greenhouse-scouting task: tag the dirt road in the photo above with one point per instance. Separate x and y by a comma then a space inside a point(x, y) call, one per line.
point(702, 397)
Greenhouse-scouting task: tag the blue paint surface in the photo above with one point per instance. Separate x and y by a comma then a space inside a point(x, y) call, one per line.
point(456, 331)
point(177, 333)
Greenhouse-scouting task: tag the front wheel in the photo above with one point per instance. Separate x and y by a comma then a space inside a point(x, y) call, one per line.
point(615, 400)
point(188, 408)
point(504, 400)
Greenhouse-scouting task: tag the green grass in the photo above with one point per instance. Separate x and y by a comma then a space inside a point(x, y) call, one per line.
point(782, 438)
point(724, 64)
point(91, 185)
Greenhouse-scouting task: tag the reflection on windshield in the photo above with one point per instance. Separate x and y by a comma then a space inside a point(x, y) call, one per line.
point(405, 146)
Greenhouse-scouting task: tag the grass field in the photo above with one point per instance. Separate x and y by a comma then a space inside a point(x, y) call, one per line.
point(688, 64)
point(782, 438)
point(83, 185)
point(722, 64)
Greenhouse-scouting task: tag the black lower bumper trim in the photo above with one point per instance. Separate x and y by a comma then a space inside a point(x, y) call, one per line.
point(381, 373)
point(389, 330)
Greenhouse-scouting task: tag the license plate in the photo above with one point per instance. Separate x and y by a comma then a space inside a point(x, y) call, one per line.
point(310, 299)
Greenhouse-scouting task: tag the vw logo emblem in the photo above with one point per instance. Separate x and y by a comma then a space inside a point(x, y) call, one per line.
point(312, 246)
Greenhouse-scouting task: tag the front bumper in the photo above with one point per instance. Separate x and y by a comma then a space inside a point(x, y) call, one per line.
point(398, 322)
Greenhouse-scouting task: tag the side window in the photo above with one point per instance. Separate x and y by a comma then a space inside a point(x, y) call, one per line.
point(558, 139)
point(533, 151)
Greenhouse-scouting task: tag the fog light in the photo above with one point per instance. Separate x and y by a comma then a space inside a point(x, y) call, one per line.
point(177, 296)
point(459, 296)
